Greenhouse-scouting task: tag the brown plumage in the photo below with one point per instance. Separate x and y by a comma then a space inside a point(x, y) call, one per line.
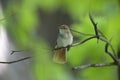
point(60, 56)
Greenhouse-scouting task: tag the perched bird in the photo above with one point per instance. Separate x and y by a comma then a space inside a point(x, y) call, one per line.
point(64, 41)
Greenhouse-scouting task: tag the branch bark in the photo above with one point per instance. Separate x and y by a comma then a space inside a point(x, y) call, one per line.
point(93, 65)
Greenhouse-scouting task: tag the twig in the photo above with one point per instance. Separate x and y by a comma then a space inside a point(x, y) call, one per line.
point(79, 43)
point(94, 25)
point(102, 34)
point(15, 61)
point(12, 52)
point(94, 65)
point(112, 56)
point(82, 33)
point(107, 41)
point(11, 62)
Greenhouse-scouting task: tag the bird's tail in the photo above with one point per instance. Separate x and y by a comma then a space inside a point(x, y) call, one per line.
point(60, 56)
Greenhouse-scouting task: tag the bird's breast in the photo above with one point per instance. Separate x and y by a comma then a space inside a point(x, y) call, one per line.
point(64, 40)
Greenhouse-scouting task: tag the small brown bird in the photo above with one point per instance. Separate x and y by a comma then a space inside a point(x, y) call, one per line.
point(64, 42)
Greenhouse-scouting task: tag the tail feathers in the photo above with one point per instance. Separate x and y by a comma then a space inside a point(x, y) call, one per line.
point(60, 56)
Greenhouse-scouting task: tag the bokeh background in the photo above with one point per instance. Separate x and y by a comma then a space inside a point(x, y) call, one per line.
point(32, 26)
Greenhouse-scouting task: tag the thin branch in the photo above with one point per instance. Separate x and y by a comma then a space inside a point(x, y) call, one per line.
point(112, 56)
point(11, 62)
point(23, 50)
point(82, 33)
point(107, 41)
point(94, 65)
point(102, 34)
point(79, 43)
point(12, 52)
point(94, 25)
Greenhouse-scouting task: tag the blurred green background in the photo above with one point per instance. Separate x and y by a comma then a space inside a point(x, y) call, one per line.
point(32, 24)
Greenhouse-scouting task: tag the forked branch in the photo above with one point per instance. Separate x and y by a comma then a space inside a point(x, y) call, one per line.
point(99, 35)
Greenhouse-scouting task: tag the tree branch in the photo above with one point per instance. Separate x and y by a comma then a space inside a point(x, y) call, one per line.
point(12, 52)
point(94, 65)
point(104, 39)
point(82, 33)
point(79, 43)
point(94, 25)
point(110, 54)
point(11, 62)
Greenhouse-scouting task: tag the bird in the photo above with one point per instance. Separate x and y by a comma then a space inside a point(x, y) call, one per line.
point(63, 44)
